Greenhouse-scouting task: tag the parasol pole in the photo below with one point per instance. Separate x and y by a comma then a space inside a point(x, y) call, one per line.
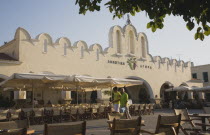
point(77, 93)
point(32, 84)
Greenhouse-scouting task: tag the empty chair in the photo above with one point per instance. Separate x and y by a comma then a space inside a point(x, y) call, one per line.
point(147, 109)
point(126, 126)
point(132, 109)
point(186, 121)
point(142, 109)
point(3, 115)
point(136, 109)
point(20, 131)
point(14, 114)
point(101, 112)
point(74, 113)
point(48, 114)
point(37, 116)
point(25, 113)
point(82, 113)
point(65, 129)
point(168, 125)
point(112, 116)
point(151, 108)
point(14, 124)
point(57, 114)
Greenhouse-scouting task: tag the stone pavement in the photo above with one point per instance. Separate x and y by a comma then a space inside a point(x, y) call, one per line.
point(100, 127)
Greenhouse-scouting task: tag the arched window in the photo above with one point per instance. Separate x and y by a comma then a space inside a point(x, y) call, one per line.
point(143, 47)
point(159, 63)
point(82, 52)
point(45, 45)
point(65, 49)
point(167, 65)
point(118, 35)
point(131, 43)
point(97, 54)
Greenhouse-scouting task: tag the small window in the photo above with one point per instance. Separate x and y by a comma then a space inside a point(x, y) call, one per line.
point(65, 49)
point(97, 54)
point(45, 45)
point(205, 77)
point(82, 52)
point(194, 75)
point(159, 63)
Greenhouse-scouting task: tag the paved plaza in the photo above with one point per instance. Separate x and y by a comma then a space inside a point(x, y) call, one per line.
point(100, 127)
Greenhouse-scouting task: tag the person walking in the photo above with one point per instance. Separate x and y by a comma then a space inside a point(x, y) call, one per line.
point(116, 100)
point(124, 103)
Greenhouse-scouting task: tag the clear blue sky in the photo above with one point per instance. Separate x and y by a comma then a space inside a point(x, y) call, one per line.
point(61, 18)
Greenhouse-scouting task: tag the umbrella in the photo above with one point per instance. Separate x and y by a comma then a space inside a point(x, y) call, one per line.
point(202, 89)
point(24, 80)
point(179, 89)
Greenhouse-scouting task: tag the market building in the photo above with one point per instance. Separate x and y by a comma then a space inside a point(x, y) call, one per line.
point(126, 57)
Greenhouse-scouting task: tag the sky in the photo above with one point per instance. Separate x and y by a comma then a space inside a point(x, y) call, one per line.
point(61, 18)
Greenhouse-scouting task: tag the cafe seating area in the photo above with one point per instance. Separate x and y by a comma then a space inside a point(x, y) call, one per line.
point(71, 120)
point(58, 114)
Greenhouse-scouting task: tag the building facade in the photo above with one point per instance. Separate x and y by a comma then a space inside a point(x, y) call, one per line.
point(126, 57)
point(202, 72)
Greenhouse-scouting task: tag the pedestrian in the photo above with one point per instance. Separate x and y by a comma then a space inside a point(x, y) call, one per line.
point(124, 103)
point(116, 100)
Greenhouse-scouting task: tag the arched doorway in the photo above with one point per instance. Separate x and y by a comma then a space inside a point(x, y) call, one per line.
point(140, 93)
point(165, 96)
point(183, 95)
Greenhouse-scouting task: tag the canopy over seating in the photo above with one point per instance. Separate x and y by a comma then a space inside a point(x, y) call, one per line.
point(20, 80)
point(179, 89)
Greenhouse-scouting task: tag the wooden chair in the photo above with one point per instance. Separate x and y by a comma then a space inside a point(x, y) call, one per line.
point(112, 116)
point(136, 109)
point(25, 113)
point(147, 109)
point(185, 121)
point(20, 131)
point(65, 129)
point(3, 115)
point(74, 113)
point(142, 109)
point(14, 124)
point(37, 116)
point(207, 111)
point(151, 108)
point(57, 114)
point(168, 125)
point(131, 110)
point(101, 112)
point(82, 113)
point(14, 114)
point(126, 126)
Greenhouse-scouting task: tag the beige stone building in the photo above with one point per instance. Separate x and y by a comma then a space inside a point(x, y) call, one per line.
point(201, 72)
point(126, 57)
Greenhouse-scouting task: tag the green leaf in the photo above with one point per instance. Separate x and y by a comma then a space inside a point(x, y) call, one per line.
point(201, 36)
point(199, 29)
point(153, 29)
point(207, 33)
point(190, 25)
point(196, 36)
point(148, 25)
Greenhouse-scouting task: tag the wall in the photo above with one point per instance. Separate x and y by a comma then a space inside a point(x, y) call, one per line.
point(126, 45)
point(199, 70)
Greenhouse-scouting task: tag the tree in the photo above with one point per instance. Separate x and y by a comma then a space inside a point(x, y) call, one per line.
point(192, 11)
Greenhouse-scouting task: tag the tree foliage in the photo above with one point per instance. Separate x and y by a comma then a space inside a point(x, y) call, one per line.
point(192, 11)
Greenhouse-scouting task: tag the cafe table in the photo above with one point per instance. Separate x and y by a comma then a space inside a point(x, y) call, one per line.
point(30, 131)
point(203, 118)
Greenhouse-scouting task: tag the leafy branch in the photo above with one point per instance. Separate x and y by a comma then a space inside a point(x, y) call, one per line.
point(192, 11)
